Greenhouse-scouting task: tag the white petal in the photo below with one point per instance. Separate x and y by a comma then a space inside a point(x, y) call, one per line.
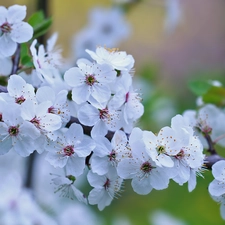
point(100, 165)
point(141, 186)
point(218, 170)
point(7, 45)
point(99, 129)
point(75, 165)
point(56, 160)
point(216, 188)
point(45, 93)
point(21, 32)
point(15, 85)
point(127, 168)
point(80, 93)
point(88, 115)
point(16, 13)
point(74, 77)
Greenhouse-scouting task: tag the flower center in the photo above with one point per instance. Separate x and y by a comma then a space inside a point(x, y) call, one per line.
point(36, 122)
point(180, 155)
point(68, 150)
point(106, 184)
point(6, 27)
point(51, 110)
point(13, 130)
point(127, 97)
point(103, 113)
point(20, 100)
point(161, 149)
point(146, 167)
point(90, 80)
point(112, 155)
point(1, 117)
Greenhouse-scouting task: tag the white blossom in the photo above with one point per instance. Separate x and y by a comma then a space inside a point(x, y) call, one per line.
point(12, 29)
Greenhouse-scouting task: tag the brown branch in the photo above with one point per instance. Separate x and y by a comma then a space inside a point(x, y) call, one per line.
point(3, 89)
point(210, 142)
point(16, 60)
point(212, 159)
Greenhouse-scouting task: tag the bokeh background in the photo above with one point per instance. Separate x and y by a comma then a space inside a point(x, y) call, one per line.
point(167, 57)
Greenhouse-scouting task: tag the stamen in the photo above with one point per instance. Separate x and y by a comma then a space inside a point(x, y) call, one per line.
point(13, 130)
point(20, 100)
point(68, 150)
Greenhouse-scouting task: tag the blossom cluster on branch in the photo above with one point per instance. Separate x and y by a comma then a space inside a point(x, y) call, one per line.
point(37, 113)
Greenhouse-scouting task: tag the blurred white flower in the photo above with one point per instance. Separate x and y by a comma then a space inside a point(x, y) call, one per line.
point(163, 218)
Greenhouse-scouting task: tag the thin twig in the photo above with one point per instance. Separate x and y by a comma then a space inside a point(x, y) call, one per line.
point(212, 159)
point(219, 138)
point(3, 89)
point(16, 60)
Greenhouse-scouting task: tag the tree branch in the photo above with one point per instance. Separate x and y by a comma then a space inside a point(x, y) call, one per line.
point(3, 89)
point(212, 159)
point(210, 142)
point(16, 60)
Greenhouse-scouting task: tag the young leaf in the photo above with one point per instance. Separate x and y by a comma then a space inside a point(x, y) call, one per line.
point(215, 95)
point(39, 23)
point(199, 87)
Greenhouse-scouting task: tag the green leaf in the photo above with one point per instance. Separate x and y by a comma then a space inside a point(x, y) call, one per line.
point(24, 50)
point(42, 28)
point(39, 23)
point(199, 87)
point(27, 61)
point(215, 95)
point(36, 18)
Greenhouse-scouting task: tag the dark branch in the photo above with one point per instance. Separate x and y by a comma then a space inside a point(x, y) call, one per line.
point(3, 89)
point(209, 140)
point(212, 159)
point(16, 60)
point(30, 170)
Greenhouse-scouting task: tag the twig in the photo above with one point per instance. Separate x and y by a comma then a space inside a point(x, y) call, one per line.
point(30, 170)
point(219, 138)
point(16, 60)
point(212, 159)
point(3, 89)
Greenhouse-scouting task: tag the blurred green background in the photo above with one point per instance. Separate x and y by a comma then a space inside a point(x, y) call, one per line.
point(166, 62)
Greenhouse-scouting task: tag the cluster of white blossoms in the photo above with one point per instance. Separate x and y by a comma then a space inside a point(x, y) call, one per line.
point(37, 110)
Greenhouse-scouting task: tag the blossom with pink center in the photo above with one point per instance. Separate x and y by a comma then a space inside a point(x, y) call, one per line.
point(141, 168)
point(107, 154)
point(103, 119)
point(15, 133)
point(70, 150)
point(59, 102)
point(90, 82)
point(19, 90)
point(105, 188)
point(12, 29)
